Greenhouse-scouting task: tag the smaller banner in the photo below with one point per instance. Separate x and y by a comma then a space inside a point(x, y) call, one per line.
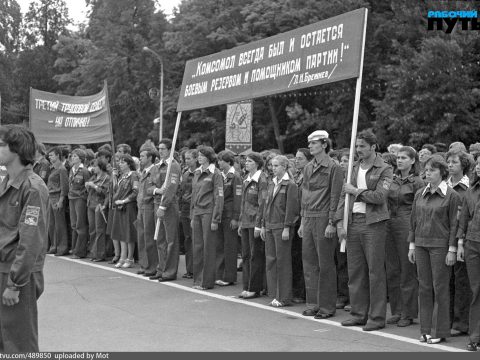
point(238, 134)
point(63, 119)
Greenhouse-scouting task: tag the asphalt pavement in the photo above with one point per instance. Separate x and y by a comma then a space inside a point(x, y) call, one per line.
point(90, 306)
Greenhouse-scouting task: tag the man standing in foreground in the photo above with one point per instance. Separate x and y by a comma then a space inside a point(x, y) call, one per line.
point(23, 240)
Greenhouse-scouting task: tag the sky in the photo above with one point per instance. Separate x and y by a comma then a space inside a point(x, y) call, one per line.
point(78, 10)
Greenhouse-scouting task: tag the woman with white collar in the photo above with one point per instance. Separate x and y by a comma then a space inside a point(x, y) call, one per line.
point(280, 213)
point(124, 234)
point(253, 248)
point(433, 248)
point(206, 213)
point(226, 258)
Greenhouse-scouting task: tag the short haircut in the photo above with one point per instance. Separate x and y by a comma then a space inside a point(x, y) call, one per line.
point(412, 154)
point(20, 141)
point(57, 150)
point(457, 145)
point(257, 158)
point(282, 160)
point(129, 160)
point(208, 152)
point(102, 164)
point(438, 162)
point(152, 153)
point(368, 136)
point(465, 159)
point(394, 146)
point(89, 154)
point(227, 156)
point(192, 152)
point(430, 147)
point(80, 153)
point(41, 148)
point(65, 151)
point(126, 148)
point(390, 159)
point(105, 153)
point(106, 146)
point(166, 142)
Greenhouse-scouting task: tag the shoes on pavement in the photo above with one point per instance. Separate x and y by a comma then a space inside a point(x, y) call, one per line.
point(155, 277)
point(242, 294)
point(424, 338)
point(347, 308)
point(455, 332)
point(250, 295)
point(404, 322)
point(372, 327)
point(436, 340)
point(472, 346)
point(223, 283)
point(114, 260)
point(98, 260)
point(128, 264)
point(77, 257)
point(340, 305)
point(140, 272)
point(310, 312)
point(120, 263)
point(353, 322)
point(187, 275)
point(394, 319)
point(321, 316)
point(277, 304)
point(165, 279)
point(148, 274)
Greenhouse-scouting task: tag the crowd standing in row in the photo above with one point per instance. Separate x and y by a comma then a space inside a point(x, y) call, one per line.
point(413, 234)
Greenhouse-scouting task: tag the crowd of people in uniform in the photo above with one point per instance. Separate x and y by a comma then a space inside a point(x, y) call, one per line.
point(412, 235)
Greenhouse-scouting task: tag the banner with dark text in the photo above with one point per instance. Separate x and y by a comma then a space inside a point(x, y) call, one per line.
point(316, 54)
point(63, 119)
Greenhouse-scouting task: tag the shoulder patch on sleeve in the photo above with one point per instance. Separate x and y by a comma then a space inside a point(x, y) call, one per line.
point(386, 183)
point(31, 215)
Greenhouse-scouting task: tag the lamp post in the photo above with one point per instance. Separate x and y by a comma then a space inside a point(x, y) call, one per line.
point(160, 130)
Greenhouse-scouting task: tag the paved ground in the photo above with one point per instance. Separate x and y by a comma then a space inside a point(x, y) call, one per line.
point(95, 307)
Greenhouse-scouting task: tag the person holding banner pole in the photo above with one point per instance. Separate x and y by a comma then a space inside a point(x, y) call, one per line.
point(77, 196)
point(371, 180)
point(167, 213)
point(206, 213)
point(321, 189)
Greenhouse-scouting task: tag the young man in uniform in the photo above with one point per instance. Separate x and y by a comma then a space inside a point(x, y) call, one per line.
point(321, 189)
point(368, 215)
point(23, 241)
point(166, 209)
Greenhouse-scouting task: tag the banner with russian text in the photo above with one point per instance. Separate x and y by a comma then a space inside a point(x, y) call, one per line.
point(312, 55)
point(238, 132)
point(63, 119)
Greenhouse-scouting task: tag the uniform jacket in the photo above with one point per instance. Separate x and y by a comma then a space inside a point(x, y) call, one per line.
point(159, 173)
point(127, 188)
point(469, 222)
point(42, 168)
point(185, 192)
point(97, 196)
point(254, 196)
point(281, 208)
point(207, 193)
point(378, 178)
point(23, 226)
point(77, 180)
point(145, 197)
point(401, 194)
point(433, 220)
point(58, 182)
point(232, 195)
point(321, 188)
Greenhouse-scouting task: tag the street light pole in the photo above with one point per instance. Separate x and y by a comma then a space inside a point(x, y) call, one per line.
point(160, 130)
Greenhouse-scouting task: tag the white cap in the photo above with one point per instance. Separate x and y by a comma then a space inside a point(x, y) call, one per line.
point(318, 135)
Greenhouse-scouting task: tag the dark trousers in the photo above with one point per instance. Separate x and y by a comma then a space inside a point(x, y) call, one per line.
point(366, 270)
point(460, 297)
point(226, 252)
point(253, 261)
point(342, 276)
point(147, 248)
point(278, 256)
point(402, 283)
point(187, 242)
point(19, 323)
point(472, 261)
point(433, 280)
point(97, 237)
point(57, 228)
point(318, 253)
point(298, 281)
point(78, 221)
point(204, 242)
point(167, 243)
